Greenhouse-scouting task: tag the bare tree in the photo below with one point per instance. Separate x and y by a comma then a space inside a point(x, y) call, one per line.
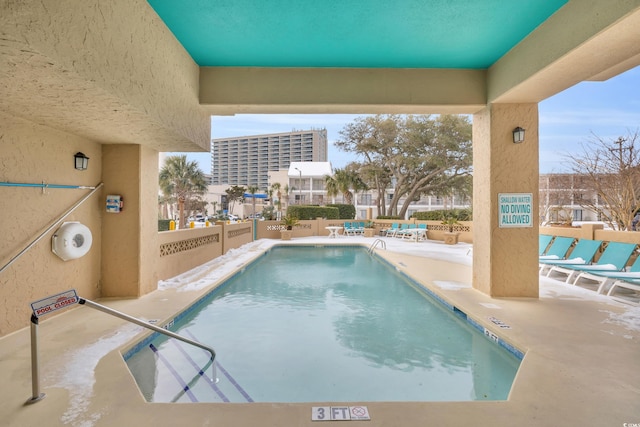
point(611, 169)
point(558, 192)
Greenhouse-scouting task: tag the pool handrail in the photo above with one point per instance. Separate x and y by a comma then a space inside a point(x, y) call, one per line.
point(375, 243)
point(123, 316)
point(35, 368)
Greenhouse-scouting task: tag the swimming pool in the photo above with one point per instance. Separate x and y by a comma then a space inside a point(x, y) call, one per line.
point(314, 324)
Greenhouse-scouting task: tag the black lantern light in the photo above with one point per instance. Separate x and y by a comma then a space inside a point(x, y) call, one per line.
point(518, 135)
point(80, 161)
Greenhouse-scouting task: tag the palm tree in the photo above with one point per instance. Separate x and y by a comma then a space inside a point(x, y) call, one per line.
point(276, 186)
point(181, 181)
point(342, 182)
point(286, 192)
point(252, 189)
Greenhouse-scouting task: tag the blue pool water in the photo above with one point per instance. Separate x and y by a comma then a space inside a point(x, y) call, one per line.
point(317, 324)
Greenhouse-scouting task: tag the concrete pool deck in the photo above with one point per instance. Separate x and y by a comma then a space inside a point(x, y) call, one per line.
point(581, 367)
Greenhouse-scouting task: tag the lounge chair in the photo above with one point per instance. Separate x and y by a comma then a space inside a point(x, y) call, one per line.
point(398, 231)
point(613, 259)
point(414, 233)
point(558, 249)
point(603, 277)
point(404, 231)
point(628, 284)
point(582, 254)
point(543, 243)
point(350, 229)
point(391, 231)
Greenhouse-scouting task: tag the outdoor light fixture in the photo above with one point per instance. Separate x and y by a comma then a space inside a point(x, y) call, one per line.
point(518, 135)
point(81, 161)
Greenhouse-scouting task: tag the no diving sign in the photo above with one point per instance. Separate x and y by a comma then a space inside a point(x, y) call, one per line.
point(515, 210)
point(340, 413)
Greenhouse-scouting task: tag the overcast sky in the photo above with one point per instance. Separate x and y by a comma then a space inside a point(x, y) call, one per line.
point(607, 109)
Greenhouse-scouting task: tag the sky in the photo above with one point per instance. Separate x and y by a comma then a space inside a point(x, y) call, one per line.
point(608, 109)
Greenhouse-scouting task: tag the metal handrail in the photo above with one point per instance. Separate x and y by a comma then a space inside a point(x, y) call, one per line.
point(375, 243)
point(49, 228)
point(123, 316)
point(37, 396)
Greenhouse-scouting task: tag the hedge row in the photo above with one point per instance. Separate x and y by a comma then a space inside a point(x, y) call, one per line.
point(459, 214)
point(312, 212)
point(163, 224)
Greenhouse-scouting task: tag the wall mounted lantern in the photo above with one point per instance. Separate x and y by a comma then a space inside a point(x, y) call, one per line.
point(518, 135)
point(80, 161)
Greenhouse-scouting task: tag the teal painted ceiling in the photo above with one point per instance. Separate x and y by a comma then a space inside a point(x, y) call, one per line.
point(352, 33)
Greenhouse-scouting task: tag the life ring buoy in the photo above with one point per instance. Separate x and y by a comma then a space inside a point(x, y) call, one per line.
point(72, 240)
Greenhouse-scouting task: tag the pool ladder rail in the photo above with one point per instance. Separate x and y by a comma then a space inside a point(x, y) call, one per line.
point(375, 243)
point(35, 367)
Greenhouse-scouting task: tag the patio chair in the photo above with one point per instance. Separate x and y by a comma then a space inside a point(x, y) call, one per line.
point(397, 232)
point(414, 233)
point(543, 243)
point(391, 231)
point(558, 248)
point(628, 284)
point(349, 229)
point(582, 254)
point(614, 258)
point(402, 233)
point(603, 277)
point(353, 228)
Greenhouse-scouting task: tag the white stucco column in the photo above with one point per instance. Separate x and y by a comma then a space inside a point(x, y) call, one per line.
point(505, 258)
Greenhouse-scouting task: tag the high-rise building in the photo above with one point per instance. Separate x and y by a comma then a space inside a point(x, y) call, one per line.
point(248, 160)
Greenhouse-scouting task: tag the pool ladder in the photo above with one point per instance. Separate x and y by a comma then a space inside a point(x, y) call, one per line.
point(35, 368)
point(375, 243)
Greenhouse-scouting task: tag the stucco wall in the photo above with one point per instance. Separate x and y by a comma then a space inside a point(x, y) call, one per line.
point(30, 153)
point(182, 250)
point(236, 235)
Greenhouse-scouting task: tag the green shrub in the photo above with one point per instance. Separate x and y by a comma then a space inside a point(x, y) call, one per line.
point(312, 212)
point(163, 224)
point(439, 215)
point(345, 211)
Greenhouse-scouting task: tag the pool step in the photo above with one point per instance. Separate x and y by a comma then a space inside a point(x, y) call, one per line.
point(182, 374)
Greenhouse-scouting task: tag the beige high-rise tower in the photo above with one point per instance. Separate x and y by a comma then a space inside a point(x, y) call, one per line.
point(247, 160)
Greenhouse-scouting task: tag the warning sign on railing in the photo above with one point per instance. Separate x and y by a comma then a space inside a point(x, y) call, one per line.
point(54, 302)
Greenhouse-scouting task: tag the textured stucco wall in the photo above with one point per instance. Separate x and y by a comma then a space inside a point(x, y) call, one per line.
point(130, 243)
point(31, 153)
point(504, 259)
point(107, 70)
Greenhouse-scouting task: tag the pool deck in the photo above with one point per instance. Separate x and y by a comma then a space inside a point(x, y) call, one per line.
point(581, 367)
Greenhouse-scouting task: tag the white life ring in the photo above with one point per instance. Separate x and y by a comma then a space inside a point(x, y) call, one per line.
point(72, 240)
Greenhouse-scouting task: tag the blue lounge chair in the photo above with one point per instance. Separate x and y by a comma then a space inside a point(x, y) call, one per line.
point(602, 276)
point(412, 233)
point(628, 284)
point(398, 231)
point(353, 228)
point(401, 233)
point(558, 249)
point(614, 258)
point(543, 243)
point(582, 254)
point(391, 231)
